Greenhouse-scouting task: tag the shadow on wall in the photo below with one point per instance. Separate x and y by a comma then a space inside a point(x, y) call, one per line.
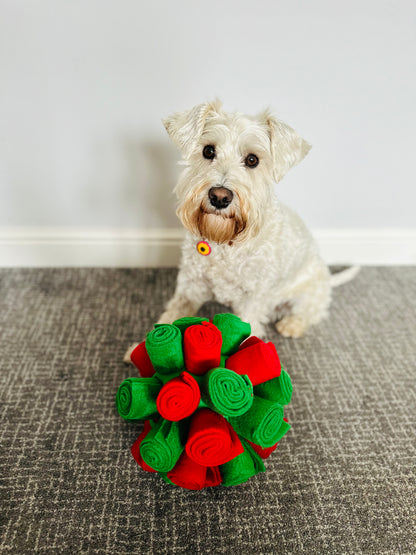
point(150, 174)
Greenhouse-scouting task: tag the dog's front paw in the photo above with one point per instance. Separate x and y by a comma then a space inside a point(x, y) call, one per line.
point(291, 326)
point(168, 317)
point(257, 329)
point(127, 354)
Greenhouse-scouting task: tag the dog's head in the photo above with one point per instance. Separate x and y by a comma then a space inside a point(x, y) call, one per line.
point(232, 161)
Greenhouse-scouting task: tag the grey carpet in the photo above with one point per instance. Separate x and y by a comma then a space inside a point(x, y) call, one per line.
point(341, 481)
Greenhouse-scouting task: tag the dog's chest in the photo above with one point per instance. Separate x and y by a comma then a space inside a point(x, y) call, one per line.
point(228, 274)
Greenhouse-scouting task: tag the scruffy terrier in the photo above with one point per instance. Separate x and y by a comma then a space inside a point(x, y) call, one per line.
point(243, 247)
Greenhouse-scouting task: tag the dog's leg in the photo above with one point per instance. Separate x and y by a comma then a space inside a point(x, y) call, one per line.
point(249, 311)
point(127, 354)
point(189, 296)
point(309, 303)
point(179, 305)
point(257, 328)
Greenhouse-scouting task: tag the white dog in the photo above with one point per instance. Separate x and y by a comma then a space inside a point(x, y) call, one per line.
point(244, 248)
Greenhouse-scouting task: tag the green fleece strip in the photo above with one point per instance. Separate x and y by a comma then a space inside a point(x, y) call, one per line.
point(136, 398)
point(184, 323)
point(284, 428)
point(226, 392)
point(261, 423)
point(278, 389)
point(242, 467)
point(164, 347)
point(163, 445)
point(223, 361)
point(165, 478)
point(233, 331)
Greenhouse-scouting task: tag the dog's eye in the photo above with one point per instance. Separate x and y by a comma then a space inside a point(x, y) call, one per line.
point(251, 161)
point(209, 152)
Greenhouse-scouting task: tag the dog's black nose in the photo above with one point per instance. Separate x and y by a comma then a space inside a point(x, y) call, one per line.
point(220, 197)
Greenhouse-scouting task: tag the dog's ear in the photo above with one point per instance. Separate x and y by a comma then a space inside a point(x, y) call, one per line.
point(287, 147)
point(185, 128)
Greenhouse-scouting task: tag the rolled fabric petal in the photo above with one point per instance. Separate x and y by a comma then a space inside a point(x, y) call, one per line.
point(241, 468)
point(190, 475)
point(141, 361)
point(164, 347)
point(260, 362)
point(226, 392)
point(184, 323)
point(252, 340)
point(163, 445)
point(261, 424)
point(223, 361)
point(136, 398)
point(278, 389)
point(211, 440)
point(284, 428)
point(202, 348)
point(135, 448)
point(178, 398)
point(265, 452)
point(165, 478)
point(233, 331)
point(214, 477)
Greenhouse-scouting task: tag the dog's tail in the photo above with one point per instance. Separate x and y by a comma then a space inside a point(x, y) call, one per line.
point(343, 277)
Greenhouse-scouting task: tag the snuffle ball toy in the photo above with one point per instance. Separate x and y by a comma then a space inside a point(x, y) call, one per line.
point(212, 399)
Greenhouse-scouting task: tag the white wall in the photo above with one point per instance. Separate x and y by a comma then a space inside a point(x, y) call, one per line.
point(84, 85)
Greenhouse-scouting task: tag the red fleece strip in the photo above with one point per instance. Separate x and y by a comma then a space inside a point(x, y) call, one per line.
point(263, 452)
point(202, 347)
point(178, 398)
point(141, 361)
point(252, 340)
point(135, 448)
point(190, 475)
point(259, 361)
point(214, 477)
point(211, 439)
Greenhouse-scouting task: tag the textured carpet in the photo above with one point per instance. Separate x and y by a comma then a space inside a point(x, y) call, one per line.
point(341, 481)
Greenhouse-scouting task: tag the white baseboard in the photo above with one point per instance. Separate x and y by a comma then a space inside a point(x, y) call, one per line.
point(57, 247)
point(367, 247)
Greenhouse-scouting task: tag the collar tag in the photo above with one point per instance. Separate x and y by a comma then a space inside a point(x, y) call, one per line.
point(203, 248)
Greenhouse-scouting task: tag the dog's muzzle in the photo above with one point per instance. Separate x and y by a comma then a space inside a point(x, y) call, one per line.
point(220, 197)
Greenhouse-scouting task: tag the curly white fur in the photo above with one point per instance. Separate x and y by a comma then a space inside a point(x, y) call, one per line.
point(264, 263)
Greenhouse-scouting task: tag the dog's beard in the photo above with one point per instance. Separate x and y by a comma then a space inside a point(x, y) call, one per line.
point(213, 226)
point(219, 228)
